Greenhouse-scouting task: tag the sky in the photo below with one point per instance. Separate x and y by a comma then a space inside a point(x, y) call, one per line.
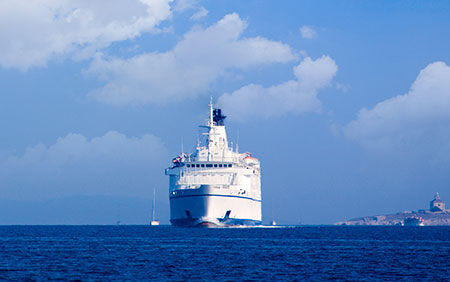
point(346, 103)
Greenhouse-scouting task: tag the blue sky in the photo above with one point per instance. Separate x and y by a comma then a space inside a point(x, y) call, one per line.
point(346, 103)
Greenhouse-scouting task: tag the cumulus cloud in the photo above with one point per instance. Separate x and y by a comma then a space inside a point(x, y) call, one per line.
point(34, 32)
point(184, 5)
point(420, 116)
point(201, 13)
point(112, 164)
point(343, 87)
point(188, 70)
point(308, 32)
point(294, 96)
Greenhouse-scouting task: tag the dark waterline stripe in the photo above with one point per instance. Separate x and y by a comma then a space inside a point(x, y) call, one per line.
point(214, 195)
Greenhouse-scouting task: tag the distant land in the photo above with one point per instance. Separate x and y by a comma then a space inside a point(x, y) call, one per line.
point(429, 218)
point(80, 210)
point(436, 215)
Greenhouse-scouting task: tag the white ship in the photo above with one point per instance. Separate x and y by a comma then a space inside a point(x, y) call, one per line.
point(215, 185)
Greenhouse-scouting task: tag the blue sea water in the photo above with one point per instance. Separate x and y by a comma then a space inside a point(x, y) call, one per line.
point(165, 253)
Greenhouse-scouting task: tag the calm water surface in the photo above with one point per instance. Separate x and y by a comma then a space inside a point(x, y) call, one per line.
point(140, 253)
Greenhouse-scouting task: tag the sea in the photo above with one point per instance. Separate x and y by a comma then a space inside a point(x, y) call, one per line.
point(166, 253)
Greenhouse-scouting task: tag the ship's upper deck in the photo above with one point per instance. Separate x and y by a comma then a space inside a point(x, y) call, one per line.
point(213, 151)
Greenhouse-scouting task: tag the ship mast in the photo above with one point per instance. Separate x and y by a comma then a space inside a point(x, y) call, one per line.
point(211, 117)
point(211, 124)
point(153, 206)
point(216, 143)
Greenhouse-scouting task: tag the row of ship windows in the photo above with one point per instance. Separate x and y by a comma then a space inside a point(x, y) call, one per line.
point(209, 165)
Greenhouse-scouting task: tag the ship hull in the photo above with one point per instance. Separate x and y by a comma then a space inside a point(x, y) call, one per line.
point(211, 223)
point(208, 208)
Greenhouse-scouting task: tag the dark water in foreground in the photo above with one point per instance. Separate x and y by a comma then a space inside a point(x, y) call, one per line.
point(138, 253)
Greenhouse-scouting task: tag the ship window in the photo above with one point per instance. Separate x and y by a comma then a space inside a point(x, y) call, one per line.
point(202, 165)
point(215, 165)
point(229, 165)
point(209, 165)
point(188, 165)
point(220, 165)
point(197, 165)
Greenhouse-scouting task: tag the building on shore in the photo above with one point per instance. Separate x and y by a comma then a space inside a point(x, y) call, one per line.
point(437, 205)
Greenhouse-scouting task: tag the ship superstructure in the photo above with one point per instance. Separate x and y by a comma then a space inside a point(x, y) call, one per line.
point(215, 185)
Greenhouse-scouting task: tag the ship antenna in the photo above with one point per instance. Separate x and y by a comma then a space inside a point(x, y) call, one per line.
point(211, 119)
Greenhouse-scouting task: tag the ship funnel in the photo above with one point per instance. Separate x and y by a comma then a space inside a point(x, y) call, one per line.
point(218, 118)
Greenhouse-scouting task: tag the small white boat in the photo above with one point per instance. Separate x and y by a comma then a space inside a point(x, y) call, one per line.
point(154, 222)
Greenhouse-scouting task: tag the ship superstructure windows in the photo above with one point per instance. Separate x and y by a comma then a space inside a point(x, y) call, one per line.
point(209, 165)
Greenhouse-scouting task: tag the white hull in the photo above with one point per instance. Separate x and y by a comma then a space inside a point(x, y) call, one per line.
point(208, 206)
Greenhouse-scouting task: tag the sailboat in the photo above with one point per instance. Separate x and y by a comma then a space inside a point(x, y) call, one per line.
point(154, 221)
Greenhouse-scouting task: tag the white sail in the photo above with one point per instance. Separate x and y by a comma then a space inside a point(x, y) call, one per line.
point(154, 221)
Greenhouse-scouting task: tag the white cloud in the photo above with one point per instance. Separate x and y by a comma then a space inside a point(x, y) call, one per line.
point(33, 32)
point(201, 13)
point(343, 87)
point(181, 6)
point(184, 5)
point(308, 32)
point(113, 164)
point(416, 119)
point(294, 96)
point(188, 70)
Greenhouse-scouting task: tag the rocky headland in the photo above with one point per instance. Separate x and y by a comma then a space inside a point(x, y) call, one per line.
point(430, 218)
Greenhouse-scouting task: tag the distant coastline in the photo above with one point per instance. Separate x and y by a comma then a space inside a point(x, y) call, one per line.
point(429, 218)
point(435, 216)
